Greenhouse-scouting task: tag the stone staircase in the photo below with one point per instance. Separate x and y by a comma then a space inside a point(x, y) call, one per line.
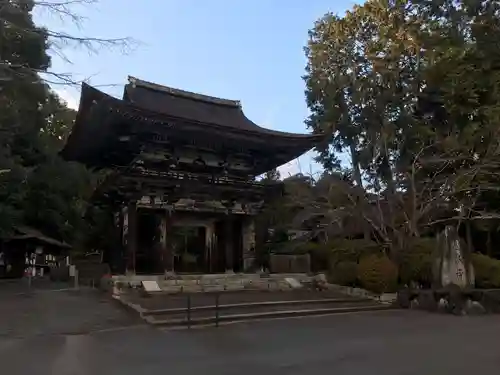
point(201, 300)
point(211, 314)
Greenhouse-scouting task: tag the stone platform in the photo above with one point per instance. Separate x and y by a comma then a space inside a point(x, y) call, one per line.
point(213, 282)
point(191, 300)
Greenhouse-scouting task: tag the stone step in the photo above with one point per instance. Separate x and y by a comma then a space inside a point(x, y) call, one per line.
point(188, 283)
point(197, 288)
point(209, 281)
point(230, 314)
point(165, 301)
point(259, 305)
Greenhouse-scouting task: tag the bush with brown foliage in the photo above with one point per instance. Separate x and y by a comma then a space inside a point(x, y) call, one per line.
point(378, 274)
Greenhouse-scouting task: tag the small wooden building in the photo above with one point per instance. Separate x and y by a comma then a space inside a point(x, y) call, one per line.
point(28, 247)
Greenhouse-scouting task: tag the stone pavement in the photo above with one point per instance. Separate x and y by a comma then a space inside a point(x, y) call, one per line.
point(389, 343)
point(41, 311)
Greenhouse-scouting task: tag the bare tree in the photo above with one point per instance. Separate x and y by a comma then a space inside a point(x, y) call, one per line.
point(440, 185)
point(14, 24)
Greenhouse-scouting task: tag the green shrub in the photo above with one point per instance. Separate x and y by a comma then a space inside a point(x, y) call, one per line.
point(307, 248)
point(352, 250)
point(377, 273)
point(487, 271)
point(320, 257)
point(415, 261)
point(344, 273)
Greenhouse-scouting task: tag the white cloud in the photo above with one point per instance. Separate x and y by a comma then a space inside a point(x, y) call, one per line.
point(70, 97)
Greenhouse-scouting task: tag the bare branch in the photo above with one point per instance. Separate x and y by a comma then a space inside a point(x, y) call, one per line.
point(59, 41)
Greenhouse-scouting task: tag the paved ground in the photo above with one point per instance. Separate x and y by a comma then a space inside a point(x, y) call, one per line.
point(91, 336)
point(25, 314)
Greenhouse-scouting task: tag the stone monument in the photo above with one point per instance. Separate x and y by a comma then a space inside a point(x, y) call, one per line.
point(452, 264)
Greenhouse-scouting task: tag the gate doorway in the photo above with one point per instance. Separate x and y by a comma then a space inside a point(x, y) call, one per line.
point(189, 246)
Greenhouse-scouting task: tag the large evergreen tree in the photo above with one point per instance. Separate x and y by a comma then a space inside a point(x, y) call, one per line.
point(37, 188)
point(22, 94)
point(410, 89)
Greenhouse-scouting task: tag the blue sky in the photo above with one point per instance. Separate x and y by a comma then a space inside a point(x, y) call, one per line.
point(251, 51)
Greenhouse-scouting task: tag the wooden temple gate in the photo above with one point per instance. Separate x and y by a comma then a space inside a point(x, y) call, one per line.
point(174, 157)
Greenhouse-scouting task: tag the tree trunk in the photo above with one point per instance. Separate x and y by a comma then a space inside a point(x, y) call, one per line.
point(468, 235)
point(355, 164)
point(388, 178)
point(489, 250)
point(359, 183)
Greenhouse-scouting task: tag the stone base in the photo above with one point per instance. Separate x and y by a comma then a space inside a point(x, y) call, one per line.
point(248, 263)
point(456, 301)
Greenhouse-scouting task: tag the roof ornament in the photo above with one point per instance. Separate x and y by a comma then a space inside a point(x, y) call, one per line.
point(132, 81)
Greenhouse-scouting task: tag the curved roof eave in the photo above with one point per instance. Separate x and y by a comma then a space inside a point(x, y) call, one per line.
point(91, 96)
point(230, 112)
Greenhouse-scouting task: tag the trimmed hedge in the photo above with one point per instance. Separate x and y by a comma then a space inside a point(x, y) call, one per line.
point(352, 250)
point(487, 271)
point(378, 274)
point(415, 261)
point(344, 256)
point(344, 273)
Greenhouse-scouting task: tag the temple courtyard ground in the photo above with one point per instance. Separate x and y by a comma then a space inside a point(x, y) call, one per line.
point(78, 333)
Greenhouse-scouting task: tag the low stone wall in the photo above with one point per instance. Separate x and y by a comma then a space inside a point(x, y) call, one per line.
point(452, 301)
point(284, 263)
point(90, 273)
point(207, 283)
point(386, 298)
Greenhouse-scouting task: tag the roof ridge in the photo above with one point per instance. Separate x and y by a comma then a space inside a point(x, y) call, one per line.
point(183, 93)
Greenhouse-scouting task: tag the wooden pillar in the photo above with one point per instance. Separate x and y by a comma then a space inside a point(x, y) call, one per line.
point(115, 259)
point(163, 244)
point(229, 243)
point(248, 242)
point(168, 254)
point(130, 235)
point(210, 243)
point(124, 235)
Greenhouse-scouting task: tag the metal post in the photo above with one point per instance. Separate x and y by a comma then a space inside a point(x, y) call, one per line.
point(217, 309)
point(189, 311)
point(30, 274)
point(76, 279)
